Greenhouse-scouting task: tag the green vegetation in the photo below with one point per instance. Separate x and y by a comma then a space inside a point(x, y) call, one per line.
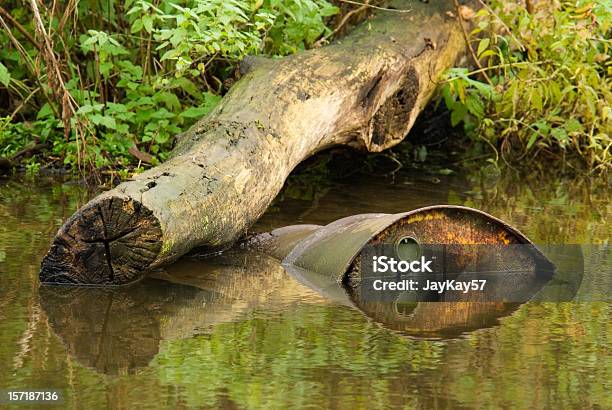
point(89, 81)
point(107, 85)
point(543, 87)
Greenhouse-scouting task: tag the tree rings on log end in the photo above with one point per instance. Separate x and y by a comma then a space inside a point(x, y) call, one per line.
point(111, 241)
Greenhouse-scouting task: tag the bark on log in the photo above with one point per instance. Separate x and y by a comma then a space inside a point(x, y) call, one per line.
point(364, 91)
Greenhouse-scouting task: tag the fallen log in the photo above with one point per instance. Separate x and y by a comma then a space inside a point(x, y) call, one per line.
point(364, 91)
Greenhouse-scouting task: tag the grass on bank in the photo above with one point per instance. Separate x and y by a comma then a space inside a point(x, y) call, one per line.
point(106, 86)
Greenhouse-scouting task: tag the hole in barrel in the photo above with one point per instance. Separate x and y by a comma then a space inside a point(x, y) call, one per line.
point(408, 248)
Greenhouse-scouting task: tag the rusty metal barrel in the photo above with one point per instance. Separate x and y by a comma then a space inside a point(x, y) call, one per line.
point(329, 259)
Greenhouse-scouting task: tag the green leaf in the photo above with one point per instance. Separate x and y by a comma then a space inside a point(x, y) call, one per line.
point(194, 112)
point(328, 10)
point(44, 112)
point(488, 53)
point(105, 68)
point(532, 140)
point(87, 108)
point(210, 100)
point(543, 126)
point(536, 99)
point(485, 89)
point(5, 77)
point(458, 113)
point(573, 125)
point(482, 46)
point(108, 122)
point(169, 99)
point(560, 135)
point(147, 22)
point(89, 42)
point(162, 113)
point(187, 86)
point(474, 105)
point(136, 26)
point(449, 100)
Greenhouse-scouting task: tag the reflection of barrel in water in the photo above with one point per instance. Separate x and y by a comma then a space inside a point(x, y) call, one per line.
point(456, 312)
point(436, 319)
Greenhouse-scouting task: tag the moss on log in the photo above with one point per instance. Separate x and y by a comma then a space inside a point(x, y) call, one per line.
point(364, 91)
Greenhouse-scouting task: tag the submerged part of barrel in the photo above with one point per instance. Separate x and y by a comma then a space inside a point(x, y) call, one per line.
point(281, 241)
point(331, 250)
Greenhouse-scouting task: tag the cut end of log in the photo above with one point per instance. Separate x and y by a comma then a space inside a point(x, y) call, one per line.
point(110, 241)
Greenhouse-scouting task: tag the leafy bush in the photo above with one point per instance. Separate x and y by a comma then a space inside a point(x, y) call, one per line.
point(130, 74)
point(547, 91)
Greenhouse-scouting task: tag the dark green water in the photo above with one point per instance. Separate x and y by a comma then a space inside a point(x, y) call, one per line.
point(247, 335)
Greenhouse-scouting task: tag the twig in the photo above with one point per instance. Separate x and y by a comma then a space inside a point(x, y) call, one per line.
point(342, 23)
point(68, 108)
point(23, 103)
point(495, 67)
point(29, 150)
point(356, 3)
point(469, 44)
point(68, 103)
point(26, 338)
point(141, 156)
point(493, 13)
point(70, 7)
point(147, 56)
point(29, 63)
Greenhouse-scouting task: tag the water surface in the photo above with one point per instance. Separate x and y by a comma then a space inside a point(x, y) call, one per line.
point(244, 334)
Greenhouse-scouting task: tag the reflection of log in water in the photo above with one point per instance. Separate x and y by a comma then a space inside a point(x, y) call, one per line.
point(113, 330)
point(119, 329)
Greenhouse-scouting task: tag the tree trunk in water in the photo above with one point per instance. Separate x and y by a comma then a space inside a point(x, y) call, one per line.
point(364, 91)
